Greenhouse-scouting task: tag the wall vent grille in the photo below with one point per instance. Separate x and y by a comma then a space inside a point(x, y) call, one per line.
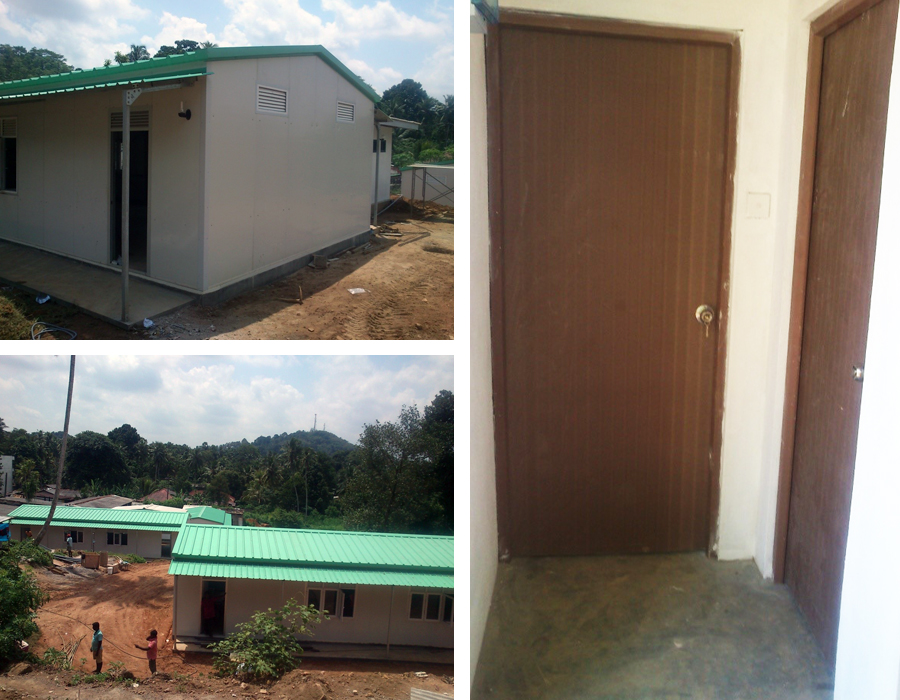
point(8, 128)
point(346, 112)
point(139, 121)
point(271, 100)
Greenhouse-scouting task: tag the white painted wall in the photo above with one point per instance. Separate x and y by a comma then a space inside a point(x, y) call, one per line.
point(281, 187)
point(384, 164)
point(6, 474)
point(369, 624)
point(435, 183)
point(761, 247)
point(142, 542)
point(63, 188)
point(868, 654)
point(483, 488)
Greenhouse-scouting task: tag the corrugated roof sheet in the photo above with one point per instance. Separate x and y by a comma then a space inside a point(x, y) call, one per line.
point(283, 554)
point(73, 516)
point(350, 577)
point(258, 545)
point(188, 65)
point(209, 513)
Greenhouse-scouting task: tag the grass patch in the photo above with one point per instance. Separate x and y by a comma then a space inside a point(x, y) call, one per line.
point(134, 558)
point(19, 311)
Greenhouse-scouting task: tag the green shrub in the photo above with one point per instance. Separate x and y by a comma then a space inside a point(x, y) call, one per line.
point(20, 597)
point(266, 647)
point(56, 659)
point(134, 558)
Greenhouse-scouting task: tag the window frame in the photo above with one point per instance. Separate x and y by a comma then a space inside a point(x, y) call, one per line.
point(116, 539)
point(338, 614)
point(426, 594)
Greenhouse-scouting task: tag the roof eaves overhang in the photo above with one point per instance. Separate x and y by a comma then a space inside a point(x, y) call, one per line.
point(320, 574)
point(43, 89)
point(97, 525)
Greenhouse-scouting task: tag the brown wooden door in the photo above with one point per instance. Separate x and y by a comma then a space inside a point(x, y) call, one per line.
point(614, 154)
point(856, 71)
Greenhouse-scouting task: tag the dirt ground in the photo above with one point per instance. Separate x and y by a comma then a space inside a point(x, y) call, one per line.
point(131, 603)
point(407, 278)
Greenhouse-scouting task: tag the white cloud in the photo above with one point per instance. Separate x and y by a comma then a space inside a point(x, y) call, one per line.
point(174, 28)
point(381, 79)
point(84, 31)
point(285, 22)
point(436, 75)
point(215, 399)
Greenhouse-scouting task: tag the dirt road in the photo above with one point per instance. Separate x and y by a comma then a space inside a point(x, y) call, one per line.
point(131, 603)
point(407, 276)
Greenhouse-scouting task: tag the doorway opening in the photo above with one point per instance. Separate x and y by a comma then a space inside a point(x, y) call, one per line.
point(212, 609)
point(166, 546)
point(138, 199)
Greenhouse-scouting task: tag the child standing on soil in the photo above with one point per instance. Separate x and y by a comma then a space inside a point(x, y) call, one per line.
point(151, 650)
point(97, 647)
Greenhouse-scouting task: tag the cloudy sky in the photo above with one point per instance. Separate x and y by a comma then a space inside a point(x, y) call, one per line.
point(384, 41)
point(196, 399)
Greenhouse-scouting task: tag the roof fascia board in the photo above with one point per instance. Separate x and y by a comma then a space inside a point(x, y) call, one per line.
point(297, 564)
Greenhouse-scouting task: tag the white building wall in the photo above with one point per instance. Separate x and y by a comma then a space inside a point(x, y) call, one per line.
point(142, 542)
point(281, 187)
point(62, 202)
point(369, 625)
point(436, 181)
point(384, 165)
point(483, 487)
point(6, 474)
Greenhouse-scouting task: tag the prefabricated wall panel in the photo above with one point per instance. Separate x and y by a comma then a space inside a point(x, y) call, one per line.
point(437, 182)
point(145, 543)
point(62, 202)
point(369, 624)
point(279, 187)
point(384, 165)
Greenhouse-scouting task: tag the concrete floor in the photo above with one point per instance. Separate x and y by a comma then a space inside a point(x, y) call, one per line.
point(672, 626)
point(94, 289)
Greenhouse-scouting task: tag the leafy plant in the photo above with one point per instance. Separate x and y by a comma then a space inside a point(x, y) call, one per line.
point(266, 647)
point(20, 597)
point(134, 558)
point(56, 659)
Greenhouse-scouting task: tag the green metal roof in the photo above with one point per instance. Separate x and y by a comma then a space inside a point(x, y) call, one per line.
point(354, 577)
point(74, 517)
point(314, 555)
point(209, 513)
point(188, 65)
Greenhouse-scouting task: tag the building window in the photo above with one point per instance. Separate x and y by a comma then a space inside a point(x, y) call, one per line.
point(383, 145)
point(8, 154)
point(431, 607)
point(327, 599)
point(346, 112)
point(119, 538)
point(77, 536)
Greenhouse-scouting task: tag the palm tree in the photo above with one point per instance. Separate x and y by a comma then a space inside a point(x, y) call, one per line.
point(138, 53)
point(208, 45)
point(28, 478)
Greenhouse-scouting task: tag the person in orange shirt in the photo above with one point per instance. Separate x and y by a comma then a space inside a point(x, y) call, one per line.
point(150, 649)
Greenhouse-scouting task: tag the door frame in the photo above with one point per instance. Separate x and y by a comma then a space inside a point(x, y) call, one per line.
point(820, 28)
point(610, 28)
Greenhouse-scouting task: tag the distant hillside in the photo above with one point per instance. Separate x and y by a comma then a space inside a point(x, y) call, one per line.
point(319, 440)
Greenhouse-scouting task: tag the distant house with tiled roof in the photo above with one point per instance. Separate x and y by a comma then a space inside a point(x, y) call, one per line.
point(381, 591)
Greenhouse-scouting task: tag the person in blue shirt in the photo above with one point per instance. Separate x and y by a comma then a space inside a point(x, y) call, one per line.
point(97, 647)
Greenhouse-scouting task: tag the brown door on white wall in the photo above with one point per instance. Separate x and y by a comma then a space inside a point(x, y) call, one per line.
point(852, 118)
point(611, 229)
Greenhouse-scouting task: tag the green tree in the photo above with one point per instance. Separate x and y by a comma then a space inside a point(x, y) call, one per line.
point(437, 426)
point(181, 46)
point(137, 53)
point(217, 489)
point(392, 488)
point(20, 598)
point(266, 647)
point(17, 63)
point(28, 478)
point(95, 456)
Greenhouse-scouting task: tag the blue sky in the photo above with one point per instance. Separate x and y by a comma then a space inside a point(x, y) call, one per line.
point(384, 41)
point(195, 399)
